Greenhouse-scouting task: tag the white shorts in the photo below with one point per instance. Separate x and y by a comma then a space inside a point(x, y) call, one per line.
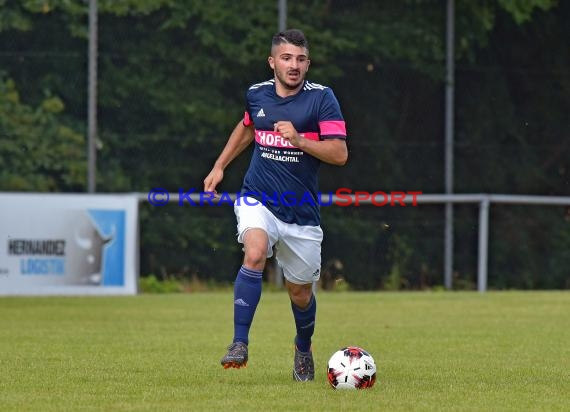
point(298, 248)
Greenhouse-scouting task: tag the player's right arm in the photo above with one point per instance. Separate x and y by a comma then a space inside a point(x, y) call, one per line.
point(239, 139)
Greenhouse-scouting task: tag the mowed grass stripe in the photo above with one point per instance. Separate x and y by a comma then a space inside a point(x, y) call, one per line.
point(434, 351)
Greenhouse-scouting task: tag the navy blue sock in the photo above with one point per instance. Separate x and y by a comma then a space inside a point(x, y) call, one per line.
point(247, 291)
point(305, 323)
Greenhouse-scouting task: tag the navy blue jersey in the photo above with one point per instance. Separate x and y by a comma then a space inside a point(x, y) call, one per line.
point(281, 176)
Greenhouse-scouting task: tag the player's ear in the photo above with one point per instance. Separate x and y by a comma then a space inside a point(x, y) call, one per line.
point(308, 64)
point(271, 62)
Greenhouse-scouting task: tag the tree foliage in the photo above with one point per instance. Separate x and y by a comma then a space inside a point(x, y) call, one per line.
point(38, 152)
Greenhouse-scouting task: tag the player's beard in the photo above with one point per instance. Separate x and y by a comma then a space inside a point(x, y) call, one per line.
point(290, 82)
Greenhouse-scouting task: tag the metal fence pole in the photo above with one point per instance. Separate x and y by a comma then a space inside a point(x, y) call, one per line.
point(282, 23)
point(483, 245)
point(92, 99)
point(449, 109)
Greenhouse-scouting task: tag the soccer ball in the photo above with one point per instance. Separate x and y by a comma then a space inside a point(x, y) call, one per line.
point(351, 368)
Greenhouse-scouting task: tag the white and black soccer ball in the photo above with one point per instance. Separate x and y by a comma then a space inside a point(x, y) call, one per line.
point(351, 368)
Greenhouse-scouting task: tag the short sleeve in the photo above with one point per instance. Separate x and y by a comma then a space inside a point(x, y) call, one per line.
point(331, 121)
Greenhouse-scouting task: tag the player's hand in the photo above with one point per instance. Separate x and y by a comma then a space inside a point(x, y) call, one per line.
point(212, 180)
point(288, 132)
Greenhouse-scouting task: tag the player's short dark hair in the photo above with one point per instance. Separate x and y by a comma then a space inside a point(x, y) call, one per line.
point(292, 36)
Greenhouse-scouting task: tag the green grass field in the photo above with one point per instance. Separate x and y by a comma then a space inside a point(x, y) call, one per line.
point(434, 351)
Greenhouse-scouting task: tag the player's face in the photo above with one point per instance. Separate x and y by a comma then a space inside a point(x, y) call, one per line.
point(290, 63)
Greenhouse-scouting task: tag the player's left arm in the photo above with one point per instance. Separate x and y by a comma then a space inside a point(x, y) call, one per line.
point(331, 146)
point(331, 150)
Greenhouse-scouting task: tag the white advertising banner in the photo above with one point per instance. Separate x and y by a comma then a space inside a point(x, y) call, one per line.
point(68, 244)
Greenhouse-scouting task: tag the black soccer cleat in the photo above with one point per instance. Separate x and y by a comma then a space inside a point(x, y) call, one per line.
point(236, 356)
point(303, 366)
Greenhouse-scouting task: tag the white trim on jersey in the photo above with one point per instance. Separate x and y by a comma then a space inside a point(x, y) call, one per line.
point(266, 83)
point(311, 86)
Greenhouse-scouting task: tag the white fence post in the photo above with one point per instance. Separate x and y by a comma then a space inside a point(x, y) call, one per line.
point(483, 244)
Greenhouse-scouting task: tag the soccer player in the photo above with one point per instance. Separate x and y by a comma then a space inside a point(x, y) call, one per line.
point(296, 125)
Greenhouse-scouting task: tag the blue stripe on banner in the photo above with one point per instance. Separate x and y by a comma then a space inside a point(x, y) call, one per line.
point(111, 226)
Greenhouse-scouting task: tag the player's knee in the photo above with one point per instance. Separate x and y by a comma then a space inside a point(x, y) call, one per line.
point(254, 258)
point(301, 296)
point(255, 249)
